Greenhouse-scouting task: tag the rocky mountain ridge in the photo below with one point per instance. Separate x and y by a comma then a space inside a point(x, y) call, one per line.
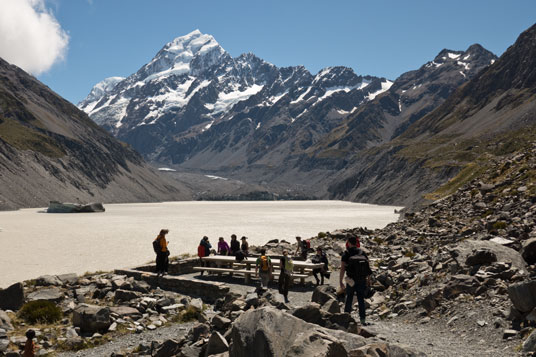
point(489, 116)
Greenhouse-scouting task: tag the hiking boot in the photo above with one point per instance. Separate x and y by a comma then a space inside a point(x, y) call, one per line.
point(363, 322)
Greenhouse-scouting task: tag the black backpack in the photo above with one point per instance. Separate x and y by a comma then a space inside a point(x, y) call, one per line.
point(357, 266)
point(156, 246)
point(239, 256)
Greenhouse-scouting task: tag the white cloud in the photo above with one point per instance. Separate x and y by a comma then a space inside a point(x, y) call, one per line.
point(30, 35)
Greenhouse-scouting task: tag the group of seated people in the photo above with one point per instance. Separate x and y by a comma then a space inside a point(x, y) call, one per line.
point(236, 248)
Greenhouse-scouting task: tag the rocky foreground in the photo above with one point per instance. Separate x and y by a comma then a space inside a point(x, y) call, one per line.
point(462, 266)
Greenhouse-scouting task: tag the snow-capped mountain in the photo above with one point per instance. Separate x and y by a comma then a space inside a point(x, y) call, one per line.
point(195, 106)
point(193, 84)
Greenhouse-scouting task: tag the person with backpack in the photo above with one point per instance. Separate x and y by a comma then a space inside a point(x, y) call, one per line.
point(354, 262)
point(285, 277)
point(263, 267)
point(203, 250)
point(302, 248)
point(320, 257)
point(235, 245)
point(162, 253)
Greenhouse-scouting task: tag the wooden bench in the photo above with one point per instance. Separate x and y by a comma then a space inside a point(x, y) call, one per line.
point(247, 273)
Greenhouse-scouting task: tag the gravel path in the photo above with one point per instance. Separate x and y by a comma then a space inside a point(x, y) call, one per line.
point(437, 341)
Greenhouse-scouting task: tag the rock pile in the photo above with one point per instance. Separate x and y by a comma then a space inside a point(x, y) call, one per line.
point(101, 306)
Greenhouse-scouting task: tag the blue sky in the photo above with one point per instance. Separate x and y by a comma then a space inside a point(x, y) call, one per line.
point(104, 38)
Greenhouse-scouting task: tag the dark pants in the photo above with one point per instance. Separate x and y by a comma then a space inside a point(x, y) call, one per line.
point(322, 274)
point(359, 289)
point(162, 263)
point(284, 283)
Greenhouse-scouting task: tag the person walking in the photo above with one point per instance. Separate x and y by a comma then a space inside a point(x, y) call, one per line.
point(223, 247)
point(285, 277)
point(354, 262)
point(162, 253)
point(263, 268)
point(235, 244)
point(318, 258)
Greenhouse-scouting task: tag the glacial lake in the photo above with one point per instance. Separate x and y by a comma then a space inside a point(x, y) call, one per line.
point(35, 243)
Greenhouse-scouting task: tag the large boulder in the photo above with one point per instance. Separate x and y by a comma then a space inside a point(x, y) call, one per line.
point(270, 332)
point(523, 295)
point(91, 318)
point(465, 248)
point(528, 251)
point(12, 297)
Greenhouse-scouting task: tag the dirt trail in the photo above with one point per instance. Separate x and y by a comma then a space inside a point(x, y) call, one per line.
point(437, 340)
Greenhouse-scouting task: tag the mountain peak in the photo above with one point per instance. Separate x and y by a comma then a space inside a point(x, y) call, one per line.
point(176, 57)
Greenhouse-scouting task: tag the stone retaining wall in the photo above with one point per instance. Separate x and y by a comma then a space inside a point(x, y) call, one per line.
point(208, 291)
point(183, 266)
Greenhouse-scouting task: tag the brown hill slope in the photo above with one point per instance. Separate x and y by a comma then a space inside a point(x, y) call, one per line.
point(491, 115)
point(51, 150)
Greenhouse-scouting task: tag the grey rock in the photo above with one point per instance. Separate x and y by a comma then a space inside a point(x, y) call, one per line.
point(270, 332)
point(91, 318)
point(5, 321)
point(530, 343)
point(220, 323)
point(167, 349)
point(481, 256)
point(509, 333)
point(70, 278)
point(528, 251)
point(332, 306)
point(198, 330)
point(252, 299)
point(310, 313)
point(123, 311)
point(4, 343)
point(460, 284)
point(53, 294)
point(47, 280)
point(504, 254)
point(71, 332)
point(323, 294)
point(126, 295)
point(523, 295)
point(12, 297)
point(216, 344)
point(197, 304)
point(317, 344)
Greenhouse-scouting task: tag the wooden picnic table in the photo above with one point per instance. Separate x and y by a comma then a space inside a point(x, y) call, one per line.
point(303, 269)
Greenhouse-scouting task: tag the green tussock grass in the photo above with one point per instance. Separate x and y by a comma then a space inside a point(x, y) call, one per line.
point(40, 311)
point(466, 175)
point(22, 137)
